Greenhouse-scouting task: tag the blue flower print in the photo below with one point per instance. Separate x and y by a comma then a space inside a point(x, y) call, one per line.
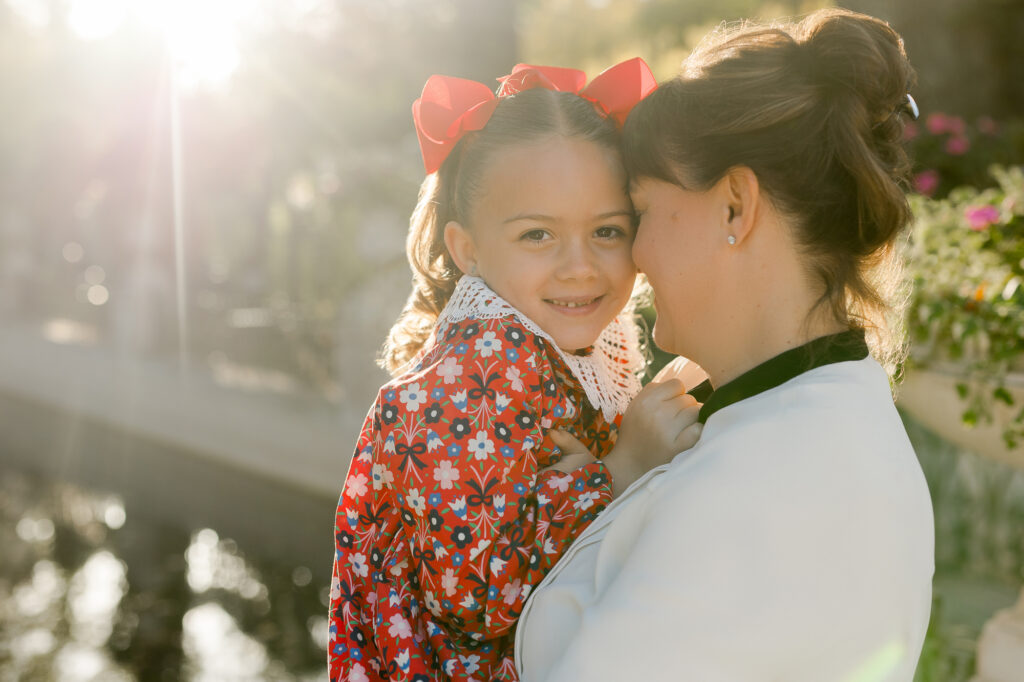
point(437, 393)
point(492, 592)
point(456, 559)
point(507, 451)
point(356, 654)
point(434, 499)
point(558, 411)
point(580, 484)
point(462, 348)
point(512, 354)
point(390, 395)
point(454, 449)
point(519, 489)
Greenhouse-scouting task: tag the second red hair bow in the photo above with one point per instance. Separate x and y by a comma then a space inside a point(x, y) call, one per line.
point(450, 107)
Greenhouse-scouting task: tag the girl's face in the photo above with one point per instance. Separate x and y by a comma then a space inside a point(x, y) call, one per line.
point(551, 233)
point(674, 248)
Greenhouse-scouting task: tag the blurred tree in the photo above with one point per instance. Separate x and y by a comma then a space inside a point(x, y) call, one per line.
point(968, 54)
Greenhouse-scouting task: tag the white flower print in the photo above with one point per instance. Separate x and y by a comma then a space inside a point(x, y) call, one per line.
point(449, 582)
point(481, 446)
point(560, 483)
point(400, 628)
point(513, 374)
point(511, 591)
point(355, 486)
point(446, 474)
point(359, 566)
point(402, 659)
point(412, 397)
point(358, 673)
point(501, 402)
point(469, 603)
point(382, 476)
point(432, 604)
point(416, 501)
point(449, 370)
point(335, 587)
point(542, 499)
point(586, 501)
point(470, 663)
point(497, 565)
point(499, 503)
point(487, 344)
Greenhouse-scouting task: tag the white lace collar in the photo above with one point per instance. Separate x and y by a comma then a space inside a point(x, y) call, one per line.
point(610, 375)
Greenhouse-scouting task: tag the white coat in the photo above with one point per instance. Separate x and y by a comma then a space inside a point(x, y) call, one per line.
point(793, 543)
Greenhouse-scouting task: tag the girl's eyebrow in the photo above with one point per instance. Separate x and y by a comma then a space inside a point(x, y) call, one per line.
point(540, 217)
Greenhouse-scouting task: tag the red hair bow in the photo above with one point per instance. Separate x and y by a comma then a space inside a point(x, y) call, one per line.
point(450, 107)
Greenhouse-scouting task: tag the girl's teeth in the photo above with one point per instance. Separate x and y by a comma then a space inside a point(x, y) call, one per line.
point(574, 305)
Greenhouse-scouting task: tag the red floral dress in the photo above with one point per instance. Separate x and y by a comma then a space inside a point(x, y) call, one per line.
point(446, 522)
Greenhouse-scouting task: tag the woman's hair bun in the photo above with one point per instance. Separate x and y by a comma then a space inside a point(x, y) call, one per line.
point(858, 54)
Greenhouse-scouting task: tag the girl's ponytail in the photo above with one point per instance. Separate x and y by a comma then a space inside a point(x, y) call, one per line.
point(434, 276)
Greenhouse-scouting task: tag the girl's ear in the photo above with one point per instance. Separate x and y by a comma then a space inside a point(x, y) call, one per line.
point(742, 196)
point(460, 245)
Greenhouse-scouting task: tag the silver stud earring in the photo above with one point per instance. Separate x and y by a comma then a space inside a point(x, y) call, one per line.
point(472, 270)
point(731, 239)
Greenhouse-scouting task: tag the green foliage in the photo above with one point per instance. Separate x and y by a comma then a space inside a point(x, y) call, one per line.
point(966, 259)
point(950, 152)
point(594, 34)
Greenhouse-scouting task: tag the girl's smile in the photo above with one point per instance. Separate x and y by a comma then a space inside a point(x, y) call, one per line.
point(551, 234)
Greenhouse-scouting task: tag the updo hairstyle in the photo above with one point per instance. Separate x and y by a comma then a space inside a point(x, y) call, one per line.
point(814, 109)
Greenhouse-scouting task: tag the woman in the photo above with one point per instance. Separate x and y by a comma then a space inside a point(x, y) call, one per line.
point(794, 542)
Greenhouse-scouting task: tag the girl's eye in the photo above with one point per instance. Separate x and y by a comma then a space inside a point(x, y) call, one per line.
point(534, 235)
point(610, 232)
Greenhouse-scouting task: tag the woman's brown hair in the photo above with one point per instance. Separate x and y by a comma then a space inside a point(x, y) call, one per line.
point(452, 192)
point(813, 108)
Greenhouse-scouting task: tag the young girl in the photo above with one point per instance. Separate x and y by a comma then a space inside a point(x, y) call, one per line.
point(457, 501)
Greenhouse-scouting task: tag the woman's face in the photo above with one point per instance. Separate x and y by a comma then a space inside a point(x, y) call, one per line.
point(675, 247)
point(551, 234)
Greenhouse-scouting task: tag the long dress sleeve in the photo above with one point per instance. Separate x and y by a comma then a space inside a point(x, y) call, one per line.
point(486, 524)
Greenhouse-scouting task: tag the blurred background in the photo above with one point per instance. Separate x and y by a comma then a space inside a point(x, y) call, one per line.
point(202, 216)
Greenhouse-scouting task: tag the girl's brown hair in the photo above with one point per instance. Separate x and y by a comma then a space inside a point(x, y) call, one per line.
point(813, 108)
point(452, 192)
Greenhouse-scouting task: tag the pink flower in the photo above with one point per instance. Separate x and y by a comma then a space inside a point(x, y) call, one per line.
point(356, 485)
point(446, 474)
point(957, 145)
point(987, 125)
point(400, 628)
point(910, 131)
point(980, 217)
point(955, 125)
point(511, 591)
point(927, 181)
point(937, 123)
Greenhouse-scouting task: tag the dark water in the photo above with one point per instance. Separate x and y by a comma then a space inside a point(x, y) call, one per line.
point(124, 560)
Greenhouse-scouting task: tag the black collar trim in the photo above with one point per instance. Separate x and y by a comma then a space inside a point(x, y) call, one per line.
point(842, 347)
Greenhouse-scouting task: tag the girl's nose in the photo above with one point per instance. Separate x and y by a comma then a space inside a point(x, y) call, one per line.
point(578, 262)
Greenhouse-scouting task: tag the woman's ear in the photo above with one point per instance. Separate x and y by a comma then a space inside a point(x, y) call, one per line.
point(460, 245)
point(742, 194)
